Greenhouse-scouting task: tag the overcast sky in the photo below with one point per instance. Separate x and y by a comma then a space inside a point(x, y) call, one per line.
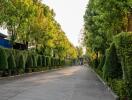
point(69, 13)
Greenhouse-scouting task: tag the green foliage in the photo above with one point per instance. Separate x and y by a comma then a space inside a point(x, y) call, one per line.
point(24, 61)
point(48, 61)
point(31, 21)
point(79, 51)
point(43, 61)
point(101, 62)
point(104, 20)
point(119, 88)
point(123, 43)
point(3, 60)
point(95, 63)
point(39, 62)
point(52, 62)
point(34, 60)
point(29, 62)
point(112, 68)
point(21, 62)
point(11, 62)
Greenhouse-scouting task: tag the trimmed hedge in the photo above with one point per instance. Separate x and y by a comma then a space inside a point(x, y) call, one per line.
point(19, 62)
point(123, 42)
point(34, 60)
point(43, 61)
point(39, 62)
point(3, 60)
point(29, 61)
point(117, 69)
point(11, 63)
point(112, 68)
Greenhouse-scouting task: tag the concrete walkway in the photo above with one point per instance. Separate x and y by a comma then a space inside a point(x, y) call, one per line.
point(73, 83)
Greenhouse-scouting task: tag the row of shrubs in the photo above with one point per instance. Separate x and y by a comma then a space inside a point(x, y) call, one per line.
point(14, 62)
point(115, 67)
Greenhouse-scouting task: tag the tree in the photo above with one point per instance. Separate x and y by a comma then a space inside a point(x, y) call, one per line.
point(103, 20)
point(33, 23)
point(80, 51)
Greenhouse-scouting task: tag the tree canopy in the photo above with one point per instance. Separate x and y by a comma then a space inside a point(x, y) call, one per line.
point(33, 23)
point(103, 20)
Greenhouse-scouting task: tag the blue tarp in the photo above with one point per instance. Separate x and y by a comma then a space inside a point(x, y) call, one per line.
point(5, 43)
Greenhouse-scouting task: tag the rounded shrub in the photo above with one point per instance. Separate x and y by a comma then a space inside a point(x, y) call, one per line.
point(39, 62)
point(52, 62)
point(3, 60)
point(20, 64)
point(95, 63)
point(102, 62)
point(55, 61)
point(47, 61)
point(29, 62)
point(43, 61)
point(34, 60)
point(112, 68)
point(123, 43)
point(11, 63)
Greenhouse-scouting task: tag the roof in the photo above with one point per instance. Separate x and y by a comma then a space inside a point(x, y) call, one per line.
point(3, 35)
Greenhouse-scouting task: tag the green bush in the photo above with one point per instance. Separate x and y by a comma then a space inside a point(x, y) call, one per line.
point(95, 63)
point(3, 60)
point(11, 62)
point(46, 61)
point(39, 62)
point(21, 63)
point(43, 61)
point(123, 42)
point(119, 88)
point(112, 68)
point(34, 60)
point(29, 61)
point(49, 62)
point(102, 62)
point(52, 62)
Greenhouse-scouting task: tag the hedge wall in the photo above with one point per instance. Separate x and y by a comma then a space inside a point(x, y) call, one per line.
point(117, 69)
point(11, 64)
point(3, 62)
point(15, 62)
point(112, 67)
point(123, 43)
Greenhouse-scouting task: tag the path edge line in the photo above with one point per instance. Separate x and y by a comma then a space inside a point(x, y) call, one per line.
point(105, 84)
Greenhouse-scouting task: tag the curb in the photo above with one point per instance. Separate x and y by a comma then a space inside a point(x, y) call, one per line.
point(109, 89)
point(28, 74)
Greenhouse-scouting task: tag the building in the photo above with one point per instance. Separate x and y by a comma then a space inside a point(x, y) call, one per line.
point(3, 36)
point(6, 43)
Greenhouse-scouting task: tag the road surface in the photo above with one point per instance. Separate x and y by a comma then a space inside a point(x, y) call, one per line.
point(72, 83)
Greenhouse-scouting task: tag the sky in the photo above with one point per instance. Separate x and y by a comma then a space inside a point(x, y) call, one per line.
point(69, 13)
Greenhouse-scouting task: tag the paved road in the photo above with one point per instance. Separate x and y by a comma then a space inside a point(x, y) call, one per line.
point(73, 83)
